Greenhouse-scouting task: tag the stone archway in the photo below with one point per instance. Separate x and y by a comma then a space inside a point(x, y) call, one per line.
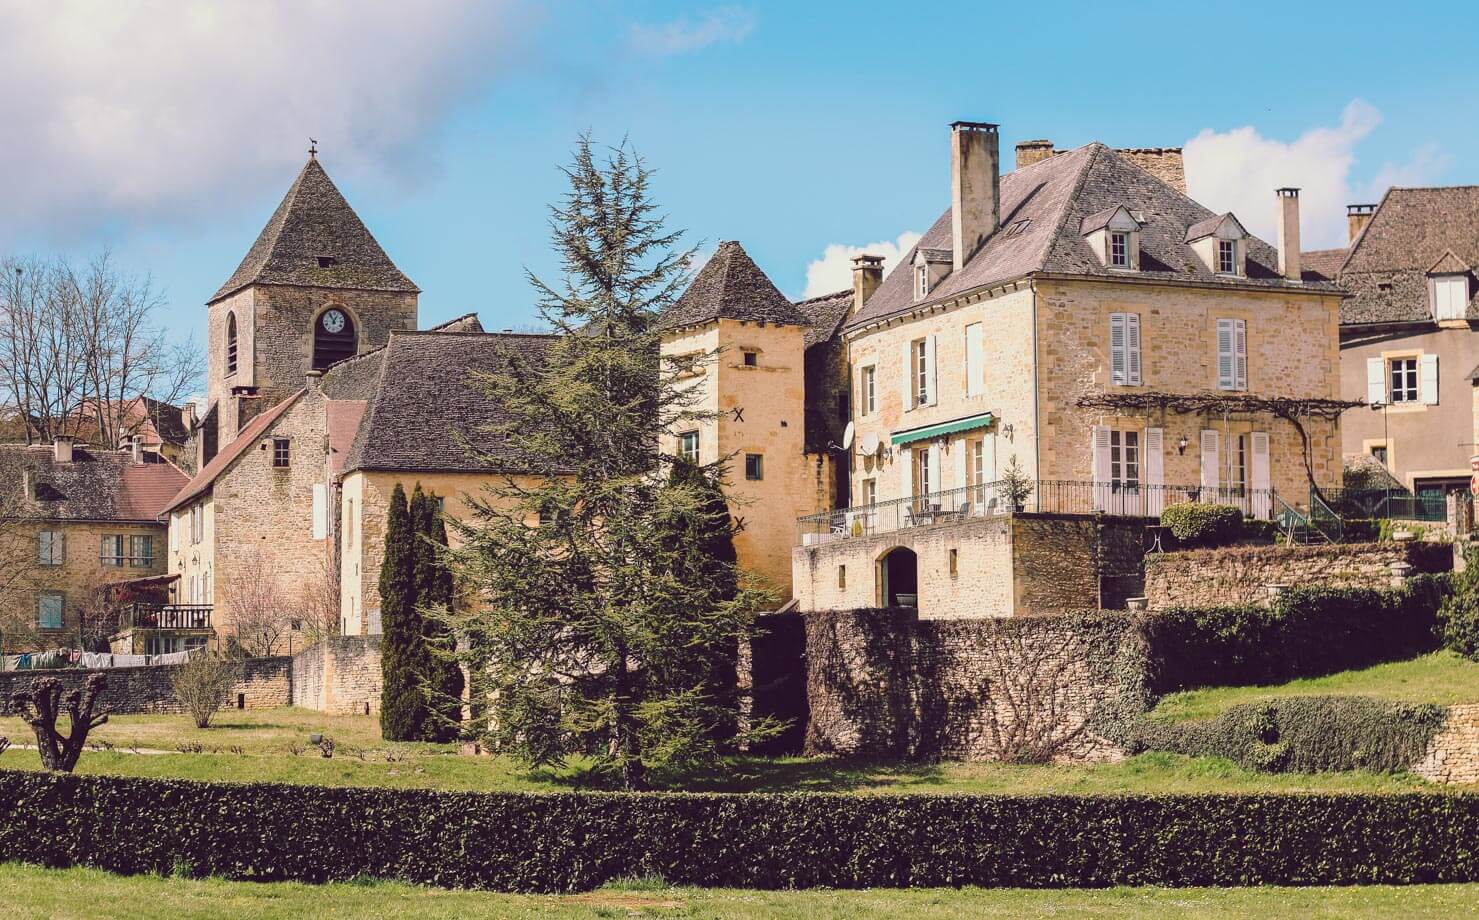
point(898, 578)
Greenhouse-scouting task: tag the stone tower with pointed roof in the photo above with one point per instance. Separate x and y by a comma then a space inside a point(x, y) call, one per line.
point(315, 288)
point(752, 379)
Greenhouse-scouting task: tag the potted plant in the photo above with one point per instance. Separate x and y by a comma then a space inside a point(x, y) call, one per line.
point(1016, 485)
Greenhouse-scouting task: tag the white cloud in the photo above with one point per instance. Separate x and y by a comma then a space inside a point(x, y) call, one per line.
point(1238, 171)
point(163, 110)
point(687, 35)
point(833, 271)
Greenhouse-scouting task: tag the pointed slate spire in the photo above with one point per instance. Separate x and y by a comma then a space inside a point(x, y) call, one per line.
point(315, 239)
point(732, 286)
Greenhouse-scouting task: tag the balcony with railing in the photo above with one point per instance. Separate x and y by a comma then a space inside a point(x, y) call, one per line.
point(168, 616)
point(1053, 496)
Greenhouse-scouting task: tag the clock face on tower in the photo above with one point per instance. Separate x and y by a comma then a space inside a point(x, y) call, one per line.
point(333, 321)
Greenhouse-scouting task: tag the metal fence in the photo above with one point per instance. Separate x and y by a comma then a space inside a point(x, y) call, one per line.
point(1051, 496)
point(169, 616)
point(1397, 504)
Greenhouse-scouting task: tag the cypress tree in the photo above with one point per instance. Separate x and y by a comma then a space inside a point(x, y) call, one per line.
point(402, 709)
point(438, 670)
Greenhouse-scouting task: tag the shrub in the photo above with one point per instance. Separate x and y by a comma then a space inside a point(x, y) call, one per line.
point(1196, 524)
point(1304, 734)
point(573, 841)
point(1305, 632)
point(203, 684)
point(1458, 617)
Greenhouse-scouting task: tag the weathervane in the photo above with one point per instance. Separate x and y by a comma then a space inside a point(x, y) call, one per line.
point(312, 148)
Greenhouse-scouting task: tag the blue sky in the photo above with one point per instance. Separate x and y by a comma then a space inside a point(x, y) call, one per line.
point(169, 131)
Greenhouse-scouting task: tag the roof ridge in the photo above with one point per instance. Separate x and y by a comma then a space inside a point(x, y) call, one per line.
point(822, 297)
point(1361, 237)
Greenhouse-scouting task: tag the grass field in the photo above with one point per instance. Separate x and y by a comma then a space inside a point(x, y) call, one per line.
point(260, 746)
point(31, 893)
point(1444, 678)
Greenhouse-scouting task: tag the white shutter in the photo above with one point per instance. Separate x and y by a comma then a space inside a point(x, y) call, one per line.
point(1225, 380)
point(988, 458)
point(962, 450)
point(1427, 385)
point(320, 515)
point(1376, 381)
point(1117, 361)
point(1103, 486)
point(906, 374)
point(904, 457)
point(1154, 461)
point(1209, 463)
point(1132, 348)
point(174, 532)
point(1451, 297)
point(932, 458)
point(1262, 501)
point(932, 390)
point(975, 359)
point(1240, 355)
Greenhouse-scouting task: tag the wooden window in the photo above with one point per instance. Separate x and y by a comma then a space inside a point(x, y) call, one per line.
point(281, 454)
point(1119, 249)
point(49, 610)
point(1404, 379)
point(140, 551)
point(921, 373)
point(1227, 257)
point(870, 491)
point(921, 281)
point(688, 446)
point(1124, 458)
point(754, 467)
point(110, 552)
point(869, 389)
point(1124, 349)
point(50, 547)
point(1232, 354)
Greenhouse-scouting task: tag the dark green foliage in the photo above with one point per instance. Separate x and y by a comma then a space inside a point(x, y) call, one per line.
point(1198, 524)
point(1304, 734)
point(437, 669)
point(402, 705)
point(1361, 530)
point(548, 843)
point(1305, 632)
point(1458, 617)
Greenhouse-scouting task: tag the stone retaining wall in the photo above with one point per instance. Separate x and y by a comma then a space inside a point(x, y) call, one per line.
point(1453, 755)
point(1242, 574)
point(340, 675)
point(265, 683)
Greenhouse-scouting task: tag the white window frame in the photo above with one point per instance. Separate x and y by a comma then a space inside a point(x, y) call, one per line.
point(921, 281)
point(1408, 390)
point(1126, 460)
point(921, 372)
point(1232, 354)
point(870, 491)
point(869, 388)
point(118, 556)
point(136, 559)
point(1124, 349)
point(975, 359)
point(921, 461)
point(1227, 257)
point(688, 445)
point(1119, 249)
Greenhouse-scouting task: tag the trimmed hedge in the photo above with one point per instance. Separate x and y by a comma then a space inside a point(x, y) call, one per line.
point(1304, 734)
point(563, 842)
point(1305, 632)
point(1197, 524)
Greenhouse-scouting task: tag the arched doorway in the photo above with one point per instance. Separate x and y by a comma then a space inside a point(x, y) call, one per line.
point(898, 578)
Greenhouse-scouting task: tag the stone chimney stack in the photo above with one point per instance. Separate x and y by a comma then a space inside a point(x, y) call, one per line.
point(1289, 265)
point(1165, 163)
point(61, 449)
point(867, 275)
point(136, 449)
point(975, 187)
point(1357, 217)
point(1029, 152)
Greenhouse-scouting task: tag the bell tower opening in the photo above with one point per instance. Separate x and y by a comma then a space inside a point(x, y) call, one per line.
point(333, 337)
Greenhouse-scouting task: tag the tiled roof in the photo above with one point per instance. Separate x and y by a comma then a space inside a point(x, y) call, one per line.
point(429, 412)
point(95, 486)
point(342, 418)
point(467, 322)
point(731, 286)
point(355, 377)
point(1056, 195)
point(1323, 263)
point(245, 439)
point(1412, 230)
point(826, 314)
point(313, 222)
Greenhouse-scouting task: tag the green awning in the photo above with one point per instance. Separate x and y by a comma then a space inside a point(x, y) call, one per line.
point(970, 423)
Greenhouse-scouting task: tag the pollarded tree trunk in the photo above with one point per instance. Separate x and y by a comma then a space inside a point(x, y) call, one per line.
point(42, 703)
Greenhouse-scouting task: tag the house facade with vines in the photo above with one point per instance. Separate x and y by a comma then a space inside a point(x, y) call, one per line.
point(1074, 337)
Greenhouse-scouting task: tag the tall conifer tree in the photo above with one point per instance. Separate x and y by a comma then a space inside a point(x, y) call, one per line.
point(402, 704)
point(439, 671)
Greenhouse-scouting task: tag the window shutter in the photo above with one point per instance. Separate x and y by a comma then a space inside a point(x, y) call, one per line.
point(1209, 461)
point(1376, 381)
point(932, 375)
point(1117, 373)
point(1262, 502)
point(1101, 471)
point(43, 546)
point(1240, 355)
point(174, 532)
point(904, 457)
point(1155, 471)
point(1132, 348)
point(906, 374)
point(988, 458)
point(1225, 379)
point(962, 449)
point(975, 360)
point(59, 546)
point(320, 517)
point(1427, 386)
point(932, 457)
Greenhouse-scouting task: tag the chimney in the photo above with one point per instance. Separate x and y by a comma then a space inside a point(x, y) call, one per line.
point(314, 380)
point(975, 186)
point(1358, 216)
point(61, 449)
point(136, 448)
point(1165, 163)
point(867, 275)
point(187, 415)
point(1289, 233)
point(1029, 152)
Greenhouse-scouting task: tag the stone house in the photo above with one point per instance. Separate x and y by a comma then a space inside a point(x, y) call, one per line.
point(1084, 323)
point(76, 521)
point(1407, 336)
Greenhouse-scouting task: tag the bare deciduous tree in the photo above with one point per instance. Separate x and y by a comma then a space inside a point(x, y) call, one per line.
point(318, 605)
point(203, 684)
point(1037, 704)
point(79, 351)
point(43, 702)
point(262, 612)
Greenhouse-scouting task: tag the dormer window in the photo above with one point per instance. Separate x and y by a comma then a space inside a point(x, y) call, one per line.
point(1114, 236)
point(1227, 257)
point(1119, 249)
point(1448, 287)
point(1220, 243)
point(327, 261)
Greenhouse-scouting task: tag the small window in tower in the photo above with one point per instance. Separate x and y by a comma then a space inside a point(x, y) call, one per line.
point(754, 467)
point(230, 343)
point(327, 261)
point(280, 455)
point(752, 357)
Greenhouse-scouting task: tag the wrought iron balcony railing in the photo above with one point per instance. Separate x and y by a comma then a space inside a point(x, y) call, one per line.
point(169, 616)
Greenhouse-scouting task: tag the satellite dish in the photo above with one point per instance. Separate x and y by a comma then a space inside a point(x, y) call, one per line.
point(847, 435)
point(870, 444)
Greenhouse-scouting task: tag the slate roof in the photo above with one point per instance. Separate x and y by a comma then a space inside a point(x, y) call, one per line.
point(1056, 195)
point(1412, 230)
point(1324, 264)
point(428, 413)
point(245, 440)
point(731, 286)
point(467, 322)
point(825, 314)
point(355, 377)
point(314, 221)
point(95, 486)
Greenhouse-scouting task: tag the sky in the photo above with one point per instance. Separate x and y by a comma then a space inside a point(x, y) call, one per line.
point(167, 131)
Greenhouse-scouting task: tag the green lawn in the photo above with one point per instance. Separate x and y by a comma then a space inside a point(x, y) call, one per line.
point(1444, 678)
point(272, 746)
point(29, 892)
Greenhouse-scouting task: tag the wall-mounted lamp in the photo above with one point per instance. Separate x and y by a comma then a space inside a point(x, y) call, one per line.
point(1007, 430)
point(1181, 445)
